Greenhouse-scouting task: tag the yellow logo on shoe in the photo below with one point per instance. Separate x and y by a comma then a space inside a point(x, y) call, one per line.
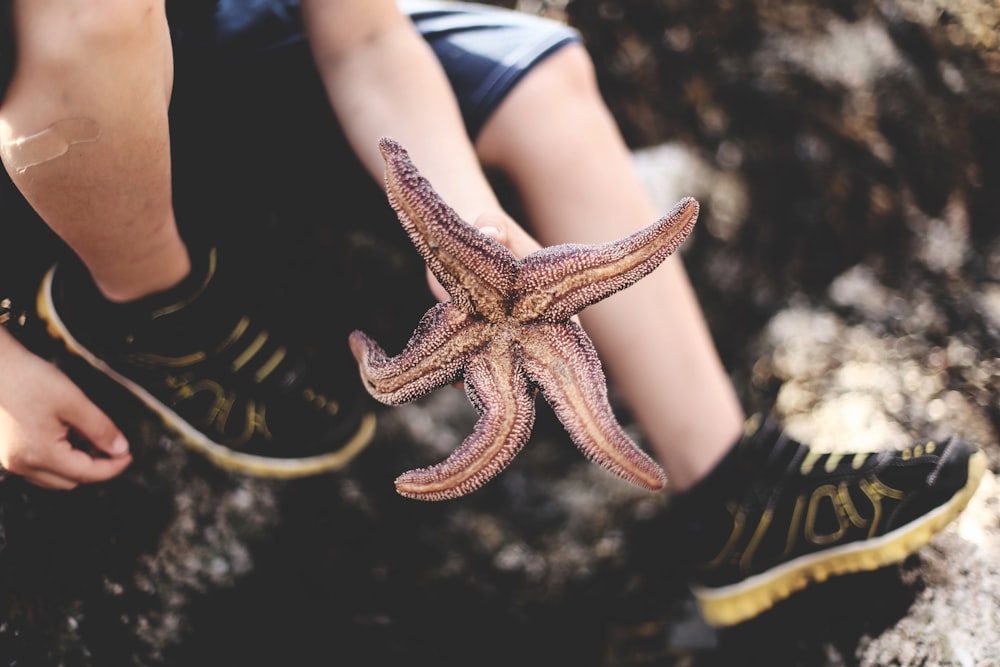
point(220, 411)
point(805, 523)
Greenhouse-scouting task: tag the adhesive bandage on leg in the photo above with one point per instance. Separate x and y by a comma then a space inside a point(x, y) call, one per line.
point(54, 141)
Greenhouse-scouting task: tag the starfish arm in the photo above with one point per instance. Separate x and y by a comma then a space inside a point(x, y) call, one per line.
point(499, 391)
point(561, 359)
point(434, 355)
point(557, 282)
point(475, 270)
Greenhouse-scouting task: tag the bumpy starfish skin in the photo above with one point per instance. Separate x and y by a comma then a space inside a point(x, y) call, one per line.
point(507, 330)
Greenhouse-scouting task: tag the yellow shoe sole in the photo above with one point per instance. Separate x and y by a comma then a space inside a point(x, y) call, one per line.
point(746, 599)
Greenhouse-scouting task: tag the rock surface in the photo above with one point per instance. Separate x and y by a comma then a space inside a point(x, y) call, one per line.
point(846, 154)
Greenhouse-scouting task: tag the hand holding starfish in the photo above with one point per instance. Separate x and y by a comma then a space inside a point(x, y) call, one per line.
point(507, 330)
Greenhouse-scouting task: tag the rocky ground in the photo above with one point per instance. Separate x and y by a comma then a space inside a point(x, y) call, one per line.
point(845, 154)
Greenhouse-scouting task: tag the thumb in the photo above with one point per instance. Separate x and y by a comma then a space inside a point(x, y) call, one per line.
point(502, 229)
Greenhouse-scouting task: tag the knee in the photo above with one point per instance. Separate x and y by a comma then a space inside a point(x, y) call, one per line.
point(567, 74)
point(74, 32)
point(562, 87)
point(558, 98)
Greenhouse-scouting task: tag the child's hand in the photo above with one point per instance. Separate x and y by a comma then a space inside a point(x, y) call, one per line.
point(501, 228)
point(42, 413)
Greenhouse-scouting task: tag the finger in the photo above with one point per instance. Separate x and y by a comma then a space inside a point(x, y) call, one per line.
point(495, 231)
point(101, 470)
point(495, 226)
point(93, 425)
point(50, 480)
point(79, 466)
point(437, 290)
point(505, 231)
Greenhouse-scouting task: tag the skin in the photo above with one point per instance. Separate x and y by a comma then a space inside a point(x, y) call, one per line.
point(507, 330)
point(47, 457)
point(110, 61)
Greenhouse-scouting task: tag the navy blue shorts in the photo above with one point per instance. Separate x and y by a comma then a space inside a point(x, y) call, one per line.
point(252, 132)
point(485, 50)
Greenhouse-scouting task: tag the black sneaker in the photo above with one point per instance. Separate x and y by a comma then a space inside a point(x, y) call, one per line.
point(229, 387)
point(775, 516)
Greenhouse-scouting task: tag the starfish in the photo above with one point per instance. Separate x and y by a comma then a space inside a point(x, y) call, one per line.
point(507, 330)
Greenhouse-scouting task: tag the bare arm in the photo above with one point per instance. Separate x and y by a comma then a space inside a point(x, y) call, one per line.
point(382, 78)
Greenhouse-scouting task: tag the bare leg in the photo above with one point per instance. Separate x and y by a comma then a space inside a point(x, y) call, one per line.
point(555, 139)
point(106, 65)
